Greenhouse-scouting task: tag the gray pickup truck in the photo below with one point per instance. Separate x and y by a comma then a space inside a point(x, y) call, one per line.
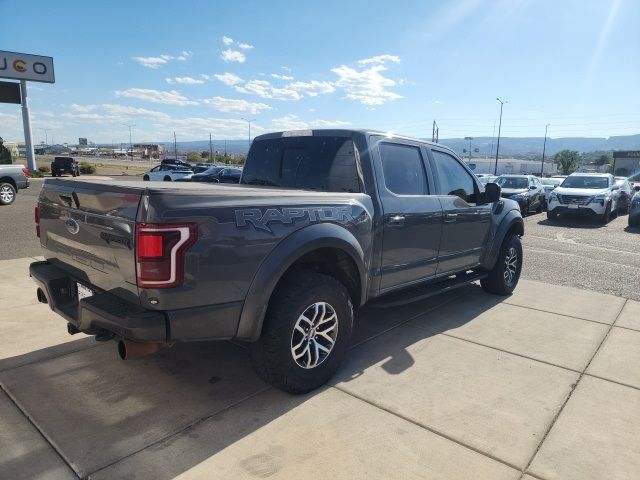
point(321, 223)
point(12, 179)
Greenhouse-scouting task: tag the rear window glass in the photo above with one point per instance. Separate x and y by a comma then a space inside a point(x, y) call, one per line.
point(313, 163)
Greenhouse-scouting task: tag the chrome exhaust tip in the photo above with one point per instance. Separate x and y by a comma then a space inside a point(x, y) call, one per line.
point(128, 349)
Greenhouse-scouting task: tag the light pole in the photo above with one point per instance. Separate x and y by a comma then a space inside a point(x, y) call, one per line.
point(544, 148)
point(495, 172)
point(210, 149)
point(249, 122)
point(469, 138)
point(130, 144)
point(46, 137)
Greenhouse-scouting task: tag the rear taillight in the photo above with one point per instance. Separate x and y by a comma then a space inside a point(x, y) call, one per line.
point(160, 252)
point(36, 214)
point(25, 171)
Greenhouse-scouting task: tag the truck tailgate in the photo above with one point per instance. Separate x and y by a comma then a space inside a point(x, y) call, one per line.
point(88, 229)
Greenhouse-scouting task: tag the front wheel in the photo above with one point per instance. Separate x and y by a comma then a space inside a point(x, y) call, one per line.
point(7, 194)
point(551, 215)
point(145, 178)
point(606, 216)
point(305, 334)
point(504, 276)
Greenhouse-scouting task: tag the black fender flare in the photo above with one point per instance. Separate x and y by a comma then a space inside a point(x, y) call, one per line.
point(511, 218)
point(285, 254)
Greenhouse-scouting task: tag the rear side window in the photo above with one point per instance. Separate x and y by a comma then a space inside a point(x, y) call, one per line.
point(321, 163)
point(403, 169)
point(454, 179)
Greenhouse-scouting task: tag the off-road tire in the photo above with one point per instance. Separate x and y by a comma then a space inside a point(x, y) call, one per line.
point(271, 355)
point(7, 194)
point(496, 282)
point(551, 215)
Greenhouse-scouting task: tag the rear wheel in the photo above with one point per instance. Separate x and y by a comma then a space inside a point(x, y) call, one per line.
point(504, 276)
point(305, 334)
point(145, 178)
point(167, 179)
point(7, 194)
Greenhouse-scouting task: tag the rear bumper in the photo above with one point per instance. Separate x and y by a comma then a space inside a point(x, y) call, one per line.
point(105, 311)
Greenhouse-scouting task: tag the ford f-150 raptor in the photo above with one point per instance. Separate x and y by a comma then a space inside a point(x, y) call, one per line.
point(321, 223)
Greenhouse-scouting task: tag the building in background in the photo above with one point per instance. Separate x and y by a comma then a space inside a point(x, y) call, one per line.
point(148, 150)
point(626, 162)
point(82, 142)
point(510, 165)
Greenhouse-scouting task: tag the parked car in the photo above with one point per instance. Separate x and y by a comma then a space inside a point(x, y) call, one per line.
point(12, 179)
point(634, 180)
point(178, 162)
point(218, 175)
point(594, 194)
point(281, 261)
point(524, 189)
point(486, 177)
point(634, 208)
point(625, 194)
point(166, 173)
point(549, 184)
point(67, 165)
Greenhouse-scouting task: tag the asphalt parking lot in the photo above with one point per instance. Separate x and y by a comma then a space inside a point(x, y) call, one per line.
point(571, 252)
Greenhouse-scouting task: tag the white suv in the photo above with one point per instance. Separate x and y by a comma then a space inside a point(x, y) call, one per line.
point(585, 194)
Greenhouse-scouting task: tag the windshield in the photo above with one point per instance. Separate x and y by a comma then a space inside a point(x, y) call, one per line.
point(324, 163)
point(513, 182)
point(212, 170)
point(585, 182)
point(550, 181)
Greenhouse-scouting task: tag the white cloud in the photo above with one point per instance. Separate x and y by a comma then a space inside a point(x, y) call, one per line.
point(153, 62)
point(313, 88)
point(110, 113)
point(227, 41)
point(230, 55)
point(282, 77)
point(367, 86)
point(171, 97)
point(245, 46)
point(205, 76)
point(293, 122)
point(264, 89)
point(160, 60)
point(227, 78)
point(379, 60)
point(184, 80)
point(199, 127)
point(234, 105)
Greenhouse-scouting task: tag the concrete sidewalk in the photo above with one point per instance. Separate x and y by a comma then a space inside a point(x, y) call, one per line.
point(543, 384)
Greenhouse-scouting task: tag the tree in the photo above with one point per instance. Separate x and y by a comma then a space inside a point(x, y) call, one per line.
point(193, 157)
point(5, 154)
point(567, 161)
point(204, 154)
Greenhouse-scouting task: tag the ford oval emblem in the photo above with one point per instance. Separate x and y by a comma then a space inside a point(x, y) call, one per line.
point(72, 225)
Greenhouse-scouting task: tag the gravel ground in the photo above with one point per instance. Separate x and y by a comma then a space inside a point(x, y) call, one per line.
point(573, 252)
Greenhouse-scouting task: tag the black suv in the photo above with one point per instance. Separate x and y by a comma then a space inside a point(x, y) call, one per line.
point(62, 165)
point(524, 189)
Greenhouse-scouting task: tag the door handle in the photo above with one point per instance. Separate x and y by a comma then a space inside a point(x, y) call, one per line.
point(450, 217)
point(396, 221)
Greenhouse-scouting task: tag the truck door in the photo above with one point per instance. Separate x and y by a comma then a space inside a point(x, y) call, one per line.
point(412, 217)
point(466, 221)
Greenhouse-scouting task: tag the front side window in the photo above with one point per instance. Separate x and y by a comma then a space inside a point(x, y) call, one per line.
point(454, 179)
point(403, 169)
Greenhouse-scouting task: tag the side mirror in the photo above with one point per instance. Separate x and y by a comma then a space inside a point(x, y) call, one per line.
point(533, 187)
point(615, 187)
point(492, 192)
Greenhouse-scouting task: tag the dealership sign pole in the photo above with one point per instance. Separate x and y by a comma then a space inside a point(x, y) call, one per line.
point(24, 67)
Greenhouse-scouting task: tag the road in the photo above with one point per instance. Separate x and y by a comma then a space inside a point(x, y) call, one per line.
point(571, 252)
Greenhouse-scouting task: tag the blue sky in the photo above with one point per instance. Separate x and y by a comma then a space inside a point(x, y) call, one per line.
point(196, 67)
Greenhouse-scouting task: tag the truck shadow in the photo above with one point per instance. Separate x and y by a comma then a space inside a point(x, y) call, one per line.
point(163, 415)
point(572, 222)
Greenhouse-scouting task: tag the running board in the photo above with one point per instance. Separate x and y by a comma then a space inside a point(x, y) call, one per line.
point(426, 291)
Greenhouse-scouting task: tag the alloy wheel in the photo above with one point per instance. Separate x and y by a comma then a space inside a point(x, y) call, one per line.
point(511, 266)
point(7, 194)
point(314, 335)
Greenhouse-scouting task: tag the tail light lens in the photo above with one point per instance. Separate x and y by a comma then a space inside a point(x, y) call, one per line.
point(36, 214)
point(160, 250)
point(25, 171)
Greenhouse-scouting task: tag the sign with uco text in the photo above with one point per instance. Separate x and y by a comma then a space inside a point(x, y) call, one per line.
point(21, 66)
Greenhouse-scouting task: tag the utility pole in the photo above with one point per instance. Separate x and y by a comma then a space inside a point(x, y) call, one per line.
point(46, 138)
point(130, 143)
point(225, 148)
point(210, 149)
point(469, 138)
point(249, 122)
point(175, 146)
point(544, 148)
point(495, 172)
